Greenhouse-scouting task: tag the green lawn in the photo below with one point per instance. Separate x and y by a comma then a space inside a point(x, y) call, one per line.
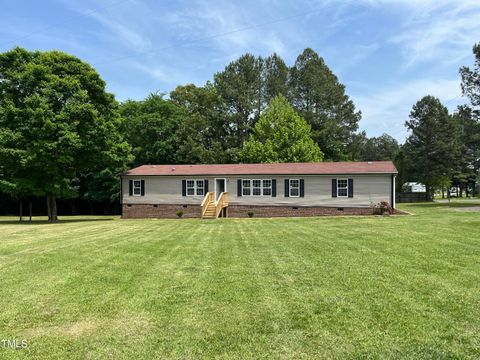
point(331, 287)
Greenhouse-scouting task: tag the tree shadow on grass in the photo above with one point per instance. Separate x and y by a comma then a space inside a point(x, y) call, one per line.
point(70, 219)
point(436, 205)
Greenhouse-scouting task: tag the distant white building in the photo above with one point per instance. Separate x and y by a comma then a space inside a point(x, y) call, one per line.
point(414, 187)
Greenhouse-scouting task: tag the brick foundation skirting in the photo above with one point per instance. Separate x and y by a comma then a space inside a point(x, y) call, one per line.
point(239, 211)
point(138, 211)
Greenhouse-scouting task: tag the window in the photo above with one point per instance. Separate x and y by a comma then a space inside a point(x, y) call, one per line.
point(267, 187)
point(195, 187)
point(294, 187)
point(190, 187)
point(342, 188)
point(257, 187)
point(137, 187)
point(200, 187)
point(246, 188)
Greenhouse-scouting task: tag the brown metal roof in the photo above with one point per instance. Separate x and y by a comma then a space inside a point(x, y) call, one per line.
point(319, 168)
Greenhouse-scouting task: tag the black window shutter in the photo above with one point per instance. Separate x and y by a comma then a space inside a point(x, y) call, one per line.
point(334, 187)
point(287, 188)
point(130, 187)
point(206, 186)
point(350, 187)
point(142, 188)
point(184, 187)
point(239, 187)
point(302, 187)
point(274, 187)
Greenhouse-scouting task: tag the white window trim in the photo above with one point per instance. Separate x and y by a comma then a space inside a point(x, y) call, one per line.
point(290, 187)
point(261, 187)
point(338, 188)
point(267, 187)
point(137, 187)
point(249, 186)
point(194, 187)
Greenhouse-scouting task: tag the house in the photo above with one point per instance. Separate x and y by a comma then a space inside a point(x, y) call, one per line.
point(266, 190)
point(414, 187)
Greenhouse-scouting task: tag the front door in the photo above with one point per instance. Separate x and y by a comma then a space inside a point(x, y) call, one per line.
point(220, 186)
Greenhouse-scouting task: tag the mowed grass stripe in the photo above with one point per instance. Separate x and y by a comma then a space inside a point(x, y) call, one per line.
point(332, 287)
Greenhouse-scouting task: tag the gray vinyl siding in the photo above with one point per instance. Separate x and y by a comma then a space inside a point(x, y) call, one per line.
point(368, 190)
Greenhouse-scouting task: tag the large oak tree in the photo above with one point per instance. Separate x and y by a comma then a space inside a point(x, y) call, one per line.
point(56, 123)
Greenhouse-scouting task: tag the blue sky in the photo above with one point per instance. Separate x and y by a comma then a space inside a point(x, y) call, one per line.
point(388, 53)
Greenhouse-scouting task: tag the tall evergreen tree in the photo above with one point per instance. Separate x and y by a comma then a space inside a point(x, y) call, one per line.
point(433, 148)
point(471, 81)
point(275, 78)
point(320, 98)
point(469, 132)
point(469, 116)
point(240, 87)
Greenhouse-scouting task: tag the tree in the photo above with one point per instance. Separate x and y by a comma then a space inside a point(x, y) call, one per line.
point(433, 148)
point(471, 81)
point(380, 148)
point(150, 126)
point(201, 136)
point(469, 116)
point(318, 96)
point(56, 122)
point(362, 148)
point(275, 78)
point(240, 87)
point(403, 167)
point(280, 135)
point(356, 147)
point(469, 132)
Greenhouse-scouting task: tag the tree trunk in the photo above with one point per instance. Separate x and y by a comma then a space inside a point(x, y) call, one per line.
point(429, 191)
point(30, 211)
point(52, 208)
point(443, 193)
point(20, 212)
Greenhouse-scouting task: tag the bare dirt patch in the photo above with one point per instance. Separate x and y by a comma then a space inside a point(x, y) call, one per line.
point(127, 324)
point(80, 328)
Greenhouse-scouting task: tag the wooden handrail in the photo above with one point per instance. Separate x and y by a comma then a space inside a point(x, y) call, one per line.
point(206, 200)
point(221, 203)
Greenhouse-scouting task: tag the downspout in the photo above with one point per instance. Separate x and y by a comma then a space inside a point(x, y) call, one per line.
point(393, 191)
point(121, 195)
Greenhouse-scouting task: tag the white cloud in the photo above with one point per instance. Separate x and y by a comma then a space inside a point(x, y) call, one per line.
point(443, 37)
point(121, 19)
point(123, 33)
point(386, 109)
point(443, 31)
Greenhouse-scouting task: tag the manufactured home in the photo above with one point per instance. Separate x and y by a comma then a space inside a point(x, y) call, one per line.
point(259, 190)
